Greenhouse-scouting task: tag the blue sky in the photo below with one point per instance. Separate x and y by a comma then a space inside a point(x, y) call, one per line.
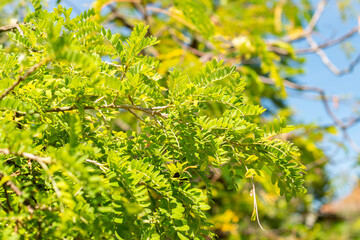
point(330, 26)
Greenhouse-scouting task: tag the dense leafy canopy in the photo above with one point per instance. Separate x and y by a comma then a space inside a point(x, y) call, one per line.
point(69, 171)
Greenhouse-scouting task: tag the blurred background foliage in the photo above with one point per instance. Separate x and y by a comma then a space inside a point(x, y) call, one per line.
point(257, 37)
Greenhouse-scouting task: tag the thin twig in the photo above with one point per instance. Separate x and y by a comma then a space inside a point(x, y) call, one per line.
point(112, 64)
point(101, 166)
point(136, 116)
point(108, 127)
point(78, 191)
point(252, 193)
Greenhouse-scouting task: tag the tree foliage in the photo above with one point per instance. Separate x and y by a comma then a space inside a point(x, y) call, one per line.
point(162, 120)
point(69, 171)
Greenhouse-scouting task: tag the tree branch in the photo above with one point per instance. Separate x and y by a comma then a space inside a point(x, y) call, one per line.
point(172, 15)
point(155, 111)
point(117, 16)
point(22, 78)
point(326, 60)
point(141, 7)
point(17, 192)
point(100, 165)
point(339, 123)
point(30, 156)
point(330, 43)
point(8, 28)
point(315, 18)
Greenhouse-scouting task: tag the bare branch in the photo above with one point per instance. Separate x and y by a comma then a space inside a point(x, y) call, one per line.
point(8, 28)
point(115, 15)
point(339, 123)
point(330, 43)
point(141, 8)
point(23, 77)
point(113, 64)
point(155, 111)
point(172, 15)
point(136, 116)
point(186, 47)
point(108, 127)
point(351, 67)
point(326, 60)
point(100, 165)
point(315, 18)
point(322, 55)
point(17, 192)
point(30, 156)
point(352, 122)
point(351, 142)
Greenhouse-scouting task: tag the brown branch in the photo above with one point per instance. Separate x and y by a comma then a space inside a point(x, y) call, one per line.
point(329, 43)
point(30, 156)
point(352, 122)
point(144, 11)
point(172, 15)
point(100, 165)
point(348, 122)
point(4, 208)
point(351, 67)
point(17, 192)
point(186, 47)
point(155, 111)
point(325, 59)
point(106, 3)
point(204, 56)
point(277, 50)
point(115, 15)
point(136, 116)
point(8, 28)
point(23, 77)
point(141, 8)
point(7, 196)
point(351, 141)
point(315, 18)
